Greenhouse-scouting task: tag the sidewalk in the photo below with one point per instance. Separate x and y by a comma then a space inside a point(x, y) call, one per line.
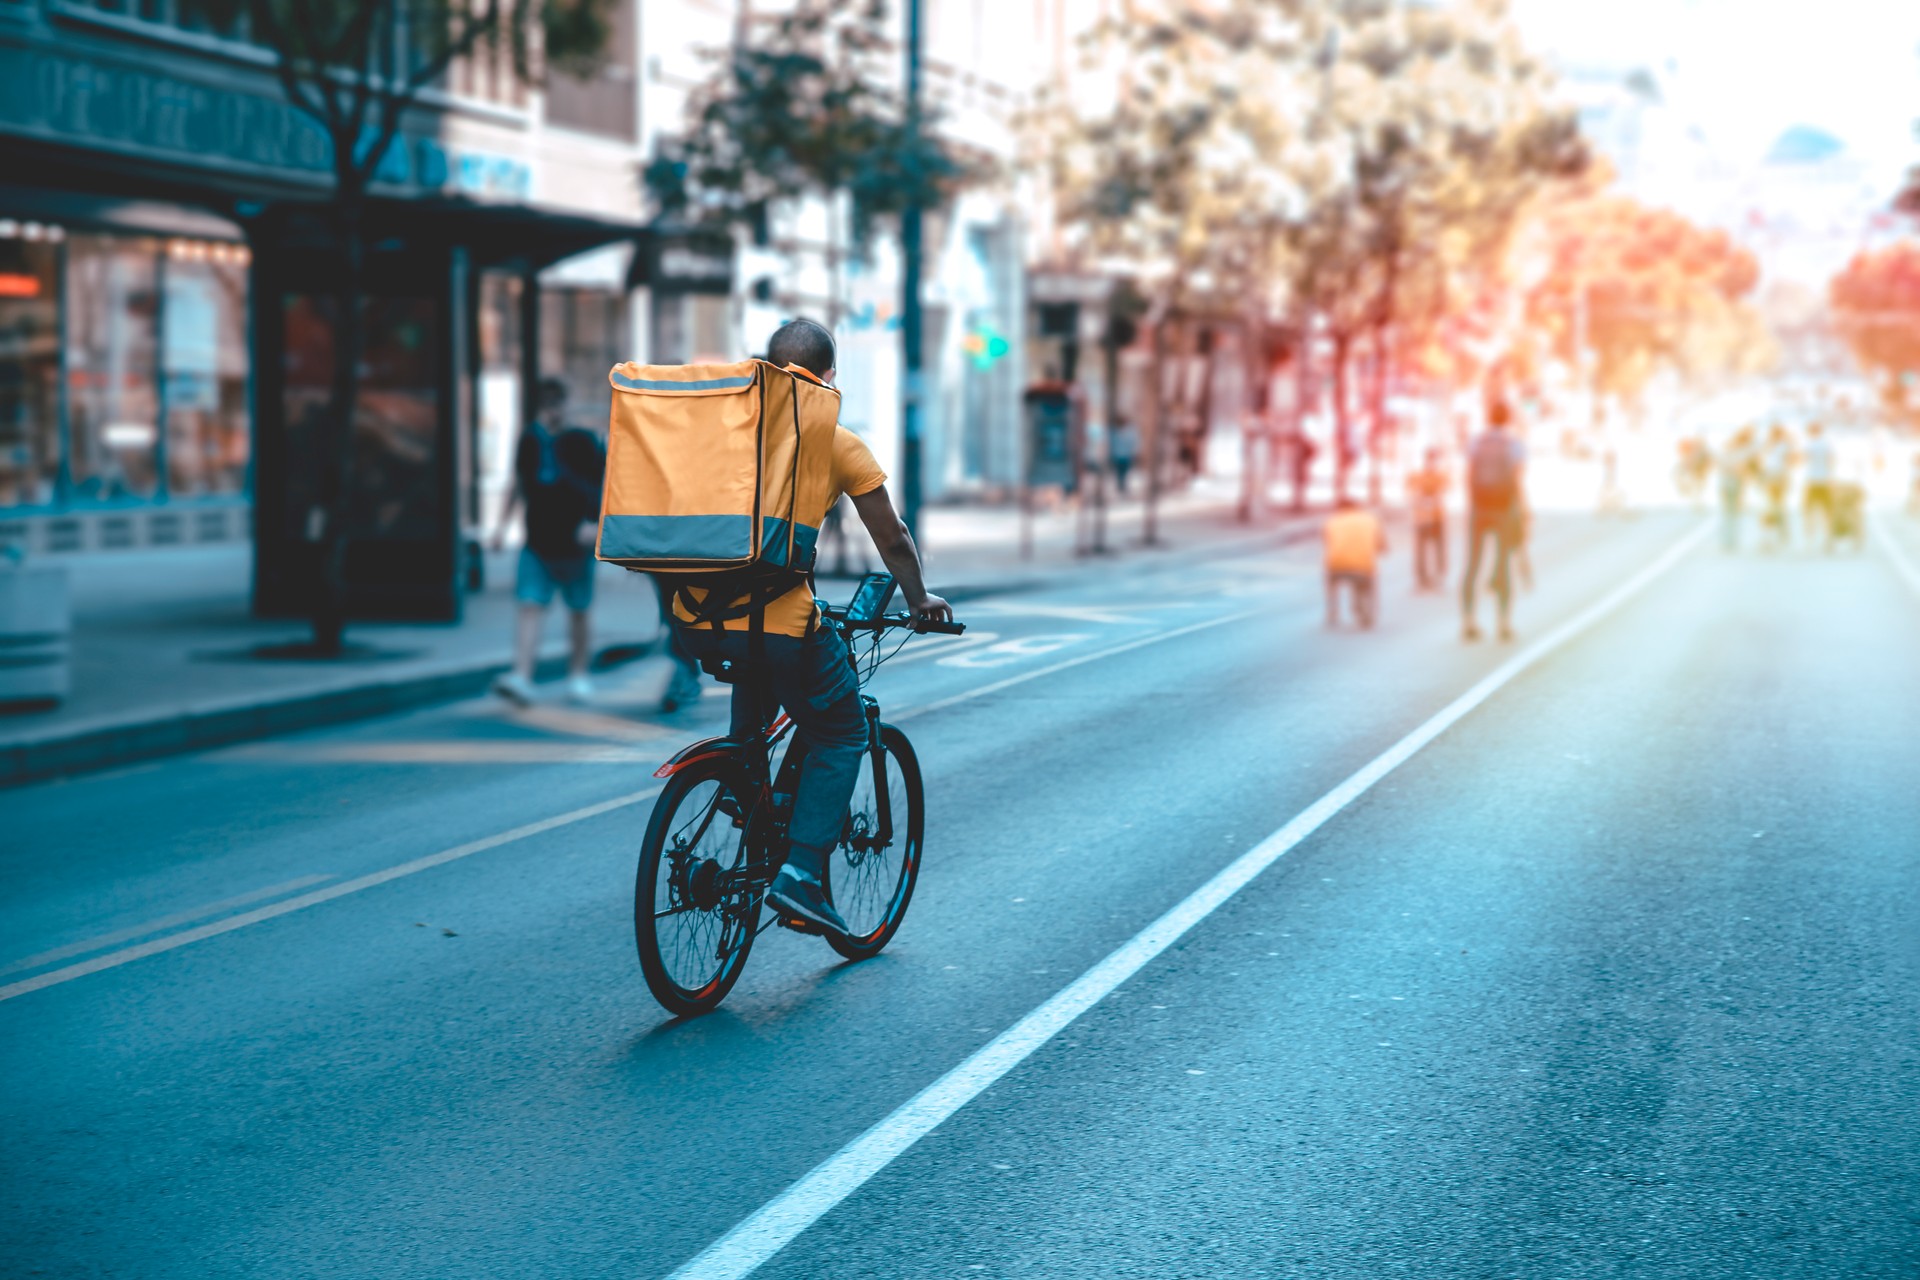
point(162, 645)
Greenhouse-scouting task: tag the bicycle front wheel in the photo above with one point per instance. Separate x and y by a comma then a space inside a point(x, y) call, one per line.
point(870, 879)
point(694, 901)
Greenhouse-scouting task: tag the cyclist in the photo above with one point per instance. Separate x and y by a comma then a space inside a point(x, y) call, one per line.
point(805, 666)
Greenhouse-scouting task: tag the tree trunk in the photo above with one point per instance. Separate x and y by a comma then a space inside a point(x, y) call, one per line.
point(1254, 433)
point(1153, 443)
point(1342, 419)
point(1111, 373)
point(1297, 429)
point(336, 480)
point(1377, 411)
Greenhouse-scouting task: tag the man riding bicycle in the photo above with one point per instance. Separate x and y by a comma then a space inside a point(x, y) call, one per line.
point(804, 667)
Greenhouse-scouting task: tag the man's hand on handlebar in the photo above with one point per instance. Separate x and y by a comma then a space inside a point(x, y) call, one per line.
point(931, 608)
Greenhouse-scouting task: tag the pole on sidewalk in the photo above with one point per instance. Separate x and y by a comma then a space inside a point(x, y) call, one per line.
point(910, 233)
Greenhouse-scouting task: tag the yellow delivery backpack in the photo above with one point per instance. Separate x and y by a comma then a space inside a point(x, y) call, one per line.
point(717, 480)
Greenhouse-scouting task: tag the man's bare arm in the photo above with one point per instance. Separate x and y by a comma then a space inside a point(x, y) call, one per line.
point(902, 558)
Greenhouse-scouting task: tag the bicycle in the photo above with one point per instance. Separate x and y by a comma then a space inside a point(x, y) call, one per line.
point(718, 835)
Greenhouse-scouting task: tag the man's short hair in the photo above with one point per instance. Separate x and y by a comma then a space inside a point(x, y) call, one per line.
point(805, 343)
point(1499, 414)
point(553, 394)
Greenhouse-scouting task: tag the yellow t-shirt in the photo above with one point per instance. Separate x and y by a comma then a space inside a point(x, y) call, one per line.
point(854, 473)
point(1353, 542)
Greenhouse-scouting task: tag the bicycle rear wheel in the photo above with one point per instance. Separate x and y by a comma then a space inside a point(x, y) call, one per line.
point(868, 882)
point(694, 906)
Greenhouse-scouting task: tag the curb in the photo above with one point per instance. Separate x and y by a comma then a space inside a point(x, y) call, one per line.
point(108, 746)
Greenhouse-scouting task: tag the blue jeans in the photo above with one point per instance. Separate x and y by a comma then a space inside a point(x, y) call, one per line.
point(811, 679)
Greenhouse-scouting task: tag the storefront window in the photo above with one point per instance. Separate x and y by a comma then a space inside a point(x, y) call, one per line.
point(204, 362)
point(583, 333)
point(113, 401)
point(692, 327)
point(29, 366)
point(499, 391)
point(396, 419)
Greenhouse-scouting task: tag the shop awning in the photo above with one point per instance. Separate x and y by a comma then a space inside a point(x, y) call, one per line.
point(497, 235)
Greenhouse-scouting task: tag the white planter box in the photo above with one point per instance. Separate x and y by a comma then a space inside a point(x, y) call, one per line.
point(35, 627)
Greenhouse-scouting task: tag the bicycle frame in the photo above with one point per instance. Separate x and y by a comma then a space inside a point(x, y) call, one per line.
point(764, 823)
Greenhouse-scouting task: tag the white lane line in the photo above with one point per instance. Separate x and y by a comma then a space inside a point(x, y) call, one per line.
point(128, 955)
point(1084, 658)
point(188, 916)
point(1895, 552)
point(741, 1251)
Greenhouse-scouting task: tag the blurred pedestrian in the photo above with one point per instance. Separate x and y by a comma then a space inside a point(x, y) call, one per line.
point(1426, 504)
point(1496, 463)
point(557, 476)
point(1817, 498)
point(1773, 463)
point(1354, 539)
point(683, 686)
point(1613, 499)
point(1126, 446)
point(1733, 464)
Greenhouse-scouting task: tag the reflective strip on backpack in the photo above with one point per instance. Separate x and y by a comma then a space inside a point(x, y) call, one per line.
point(650, 384)
point(714, 538)
point(703, 538)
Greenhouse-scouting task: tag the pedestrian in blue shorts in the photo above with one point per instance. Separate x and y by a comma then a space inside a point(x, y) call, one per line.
point(557, 473)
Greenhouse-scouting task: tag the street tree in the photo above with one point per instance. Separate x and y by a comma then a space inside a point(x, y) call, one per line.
point(806, 103)
point(356, 68)
point(1626, 291)
point(1354, 166)
point(1168, 174)
point(1875, 301)
point(1451, 136)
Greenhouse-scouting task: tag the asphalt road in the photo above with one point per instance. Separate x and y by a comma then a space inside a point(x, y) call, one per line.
point(1619, 975)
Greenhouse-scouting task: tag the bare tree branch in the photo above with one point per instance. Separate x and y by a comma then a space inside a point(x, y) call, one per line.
point(285, 65)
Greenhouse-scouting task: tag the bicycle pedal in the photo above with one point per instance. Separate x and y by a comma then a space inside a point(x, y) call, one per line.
point(801, 926)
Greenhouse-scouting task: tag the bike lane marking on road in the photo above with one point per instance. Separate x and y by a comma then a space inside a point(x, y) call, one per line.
point(127, 955)
point(967, 695)
point(769, 1229)
point(1007, 652)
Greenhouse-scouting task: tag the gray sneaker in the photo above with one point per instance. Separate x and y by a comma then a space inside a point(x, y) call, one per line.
point(796, 895)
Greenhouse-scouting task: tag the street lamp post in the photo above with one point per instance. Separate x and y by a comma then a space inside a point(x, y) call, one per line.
point(910, 233)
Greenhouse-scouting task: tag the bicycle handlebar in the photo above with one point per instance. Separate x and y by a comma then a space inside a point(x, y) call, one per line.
point(893, 621)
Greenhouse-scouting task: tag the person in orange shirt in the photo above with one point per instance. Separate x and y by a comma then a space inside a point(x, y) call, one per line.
point(1354, 540)
point(804, 665)
point(1426, 504)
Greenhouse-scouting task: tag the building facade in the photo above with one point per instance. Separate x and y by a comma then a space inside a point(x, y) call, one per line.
point(159, 339)
point(164, 329)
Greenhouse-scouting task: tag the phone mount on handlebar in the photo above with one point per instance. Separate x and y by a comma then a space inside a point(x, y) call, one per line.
point(871, 598)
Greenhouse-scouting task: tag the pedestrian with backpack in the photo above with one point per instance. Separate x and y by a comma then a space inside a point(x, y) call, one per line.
point(1496, 461)
point(720, 477)
point(557, 476)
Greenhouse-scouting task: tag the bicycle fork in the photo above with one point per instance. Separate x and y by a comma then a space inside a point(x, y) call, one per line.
point(882, 800)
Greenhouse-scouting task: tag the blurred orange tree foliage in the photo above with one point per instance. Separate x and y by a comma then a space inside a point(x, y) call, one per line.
point(1622, 290)
point(1876, 307)
point(1352, 168)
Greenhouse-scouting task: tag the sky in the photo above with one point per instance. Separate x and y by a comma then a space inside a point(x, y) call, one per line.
point(1744, 70)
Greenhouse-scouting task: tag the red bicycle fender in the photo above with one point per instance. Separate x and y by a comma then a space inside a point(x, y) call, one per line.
point(705, 749)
